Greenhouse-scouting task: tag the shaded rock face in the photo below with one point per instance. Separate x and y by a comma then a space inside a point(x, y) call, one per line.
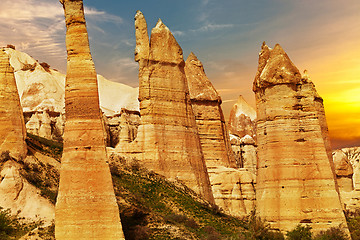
point(12, 126)
point(167, 140)
point(295, 180)
point(86, 207)
point(242, 119)
point(225, 180)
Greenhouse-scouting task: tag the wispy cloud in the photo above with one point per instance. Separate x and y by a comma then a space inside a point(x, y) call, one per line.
point(212, 27)
point(38, 28)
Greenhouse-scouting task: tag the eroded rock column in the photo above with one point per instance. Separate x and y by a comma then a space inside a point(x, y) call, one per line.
point(86, 207)
point(295, 180)
point(12, 126)
point(167, 137)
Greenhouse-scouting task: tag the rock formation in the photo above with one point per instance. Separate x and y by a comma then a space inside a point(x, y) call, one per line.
point(167, 141)
point(210, 121)
point(86, 207)
point(295, 181)
point(242, 119)
point(12, 126)
point(23, 198)
point(228, 184)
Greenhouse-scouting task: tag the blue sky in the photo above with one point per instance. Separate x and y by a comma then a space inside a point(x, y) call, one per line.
point(321, 36)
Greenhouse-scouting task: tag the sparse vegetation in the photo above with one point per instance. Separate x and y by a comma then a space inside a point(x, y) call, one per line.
point(334, 233)
point(45, 146)
point(29, 67)
point(10, 46)
point(46, 66)
point(11, 226)
point(301, 232)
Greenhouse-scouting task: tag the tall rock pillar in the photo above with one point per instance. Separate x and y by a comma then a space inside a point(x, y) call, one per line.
point(167, 137)
point(86, 205)
point(12, 126)
point(295, 179)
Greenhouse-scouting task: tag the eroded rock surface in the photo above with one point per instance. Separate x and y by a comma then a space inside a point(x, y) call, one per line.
point(295, 181)
point(86, 207)
point(167, 140)
point(12, 126)
point(227, 183)
point(23, 198)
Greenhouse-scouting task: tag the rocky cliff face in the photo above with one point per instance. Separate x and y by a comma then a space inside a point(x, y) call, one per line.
point(242, 119)
point(167, 141)
point(12, 127)
point(295, 181)
point(86, 206)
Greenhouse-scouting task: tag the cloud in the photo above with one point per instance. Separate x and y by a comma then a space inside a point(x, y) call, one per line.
point(38, 27)
point(212, 27)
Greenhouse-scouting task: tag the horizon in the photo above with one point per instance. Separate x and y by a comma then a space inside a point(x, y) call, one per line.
point(226, 37)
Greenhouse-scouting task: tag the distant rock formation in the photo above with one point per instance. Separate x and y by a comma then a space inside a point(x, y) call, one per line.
point(167, 141)
point(86, 206)
point(242, 119)
point(347, 171)
point(12, 126)
point(295, 180)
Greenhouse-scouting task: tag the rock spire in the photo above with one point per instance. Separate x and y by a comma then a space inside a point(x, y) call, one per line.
point(86, 206)
point(12, 126)
point(167, 139)
point(214, 138)
point(295, 179)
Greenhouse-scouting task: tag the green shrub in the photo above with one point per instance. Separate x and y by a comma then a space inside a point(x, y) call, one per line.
point(8, 225)
point(259, 229)
point(334, 233)
point(300, 233)
point(5, 156)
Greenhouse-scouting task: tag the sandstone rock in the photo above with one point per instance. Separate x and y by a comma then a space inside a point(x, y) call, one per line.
point(12, 126)
point(167, 141)
point(23, 198)
point(234, 190)
point(343, 167)
point(295, 181)
point(214, 138)
point(86, 207)
point(206, 104)
point(242, 119)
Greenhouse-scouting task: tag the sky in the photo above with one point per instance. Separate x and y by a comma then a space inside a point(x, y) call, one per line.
point(321, 36)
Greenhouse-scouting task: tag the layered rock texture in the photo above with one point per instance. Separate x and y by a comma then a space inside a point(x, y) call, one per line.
point(12, 127)
point(167, 139)
point(242, 119)
point(295, 181)
point(206, 105)
point(233, 189)
point(86, 206)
